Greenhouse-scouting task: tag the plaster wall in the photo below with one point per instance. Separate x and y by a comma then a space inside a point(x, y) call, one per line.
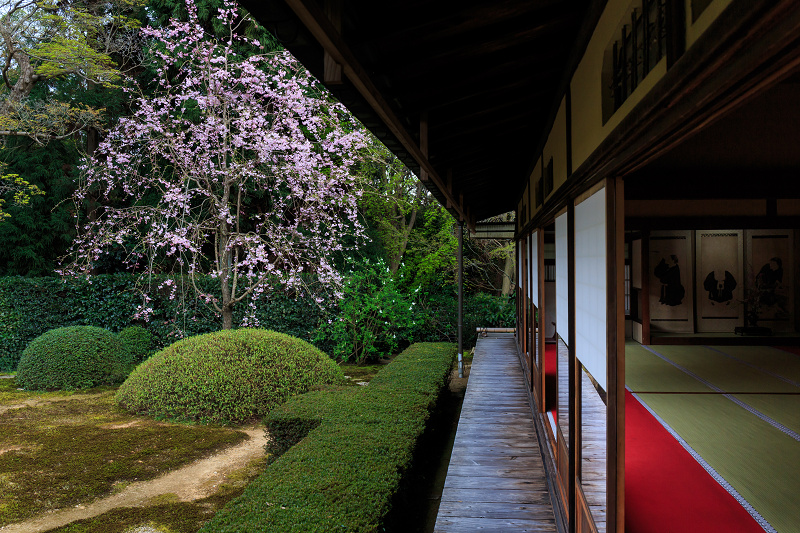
point(532, 179)
point(587, 83)
point(556, 147)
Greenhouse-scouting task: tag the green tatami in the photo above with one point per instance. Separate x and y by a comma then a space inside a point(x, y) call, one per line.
point(758, 460)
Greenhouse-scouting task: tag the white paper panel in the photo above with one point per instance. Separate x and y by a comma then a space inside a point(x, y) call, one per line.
point(562, 279)
point(590, 285)
point(530, 269)
point(519, 264)
point(535, 268)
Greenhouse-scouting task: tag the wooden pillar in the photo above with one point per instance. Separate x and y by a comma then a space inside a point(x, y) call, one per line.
point(574, 403)
point(540, 347)
point(518, 292)
point(615, 349)
point(524, 302)
point(423, 142)
point(645, 287)
point(461, 298)
point(332, 71)
point(532, 278)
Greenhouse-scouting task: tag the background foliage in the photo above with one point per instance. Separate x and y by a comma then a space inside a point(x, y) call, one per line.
point(32, 306)
point(381, 313)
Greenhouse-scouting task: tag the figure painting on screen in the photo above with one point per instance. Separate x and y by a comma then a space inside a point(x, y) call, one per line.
point(669, 274)
point(769, 282)
point(720, 286)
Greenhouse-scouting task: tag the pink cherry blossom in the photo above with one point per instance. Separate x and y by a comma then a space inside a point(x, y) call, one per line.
point(238, 167)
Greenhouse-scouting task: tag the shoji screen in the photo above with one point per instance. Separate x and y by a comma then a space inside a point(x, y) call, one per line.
point(562, 278)
point(530, 266)
point(534, 239)
point(590, 285)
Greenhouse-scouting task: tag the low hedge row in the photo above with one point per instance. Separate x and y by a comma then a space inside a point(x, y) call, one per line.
point(343, 451)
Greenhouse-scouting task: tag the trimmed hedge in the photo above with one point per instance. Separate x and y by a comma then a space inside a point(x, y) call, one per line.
point(226, 376)
point(77, 357)
point(343, 452)
point(139, 342)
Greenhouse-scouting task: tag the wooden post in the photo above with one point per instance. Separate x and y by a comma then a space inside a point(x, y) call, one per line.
point(461, 298)
point(423, 142)
point(542, 327)
point(645, 287)
point(572, 366)
point(524, 300)
point(332, 71)
point(532, 318)
point(615, 348)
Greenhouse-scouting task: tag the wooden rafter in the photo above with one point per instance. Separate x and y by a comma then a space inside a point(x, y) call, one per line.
point(331, 41)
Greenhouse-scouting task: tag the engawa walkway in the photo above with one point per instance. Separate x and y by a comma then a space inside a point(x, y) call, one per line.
point(495, 481)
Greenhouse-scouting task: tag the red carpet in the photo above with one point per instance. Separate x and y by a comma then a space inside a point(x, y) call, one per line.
point(790, 349)
point(551, 377)
point(666, 490)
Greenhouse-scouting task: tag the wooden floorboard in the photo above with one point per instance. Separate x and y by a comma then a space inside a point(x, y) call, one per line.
point(593, 451)
point(496, 480)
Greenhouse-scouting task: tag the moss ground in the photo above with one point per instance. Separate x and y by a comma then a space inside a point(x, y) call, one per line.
point(58, 450)
point(168, 516)
point(9, 394)
point(360, 373)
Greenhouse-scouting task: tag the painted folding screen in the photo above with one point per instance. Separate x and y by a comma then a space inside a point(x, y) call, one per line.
point(562, 278)
point(534, 240)
point(590, 285)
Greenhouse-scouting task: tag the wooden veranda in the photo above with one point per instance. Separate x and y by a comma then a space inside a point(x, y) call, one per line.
point(496, 479)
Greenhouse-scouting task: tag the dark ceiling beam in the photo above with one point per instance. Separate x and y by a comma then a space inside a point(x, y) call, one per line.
point(441, 96)
point(449, 23)
point(331, 41)
point(473, 134)
point(526, 38)
point(432, 68)
point(488, 111)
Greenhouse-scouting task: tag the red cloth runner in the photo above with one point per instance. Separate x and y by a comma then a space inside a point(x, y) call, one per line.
point(666, 489)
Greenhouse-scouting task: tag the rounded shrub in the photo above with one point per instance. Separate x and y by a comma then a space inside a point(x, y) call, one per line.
point(139, 342)
point(226, 376)
point(75, 357)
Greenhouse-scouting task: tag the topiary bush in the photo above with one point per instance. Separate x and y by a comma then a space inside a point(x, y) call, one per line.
point(226, 376)
point(75, 357)
point(139, 342)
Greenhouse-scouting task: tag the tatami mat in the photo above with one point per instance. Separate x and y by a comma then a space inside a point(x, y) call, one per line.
point(742, 441)
point(759, 461)
point(644, 371)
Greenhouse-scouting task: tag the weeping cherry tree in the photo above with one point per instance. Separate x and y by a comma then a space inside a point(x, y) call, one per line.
point(239, 168)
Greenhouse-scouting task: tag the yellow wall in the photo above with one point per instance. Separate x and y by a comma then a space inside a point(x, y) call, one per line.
point(526, 208)
point(586, 86)
point(556, 147)
point(588, 129)
point(532, 179)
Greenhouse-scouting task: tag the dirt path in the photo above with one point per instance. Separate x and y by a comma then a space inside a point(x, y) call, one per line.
point(192, 482)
